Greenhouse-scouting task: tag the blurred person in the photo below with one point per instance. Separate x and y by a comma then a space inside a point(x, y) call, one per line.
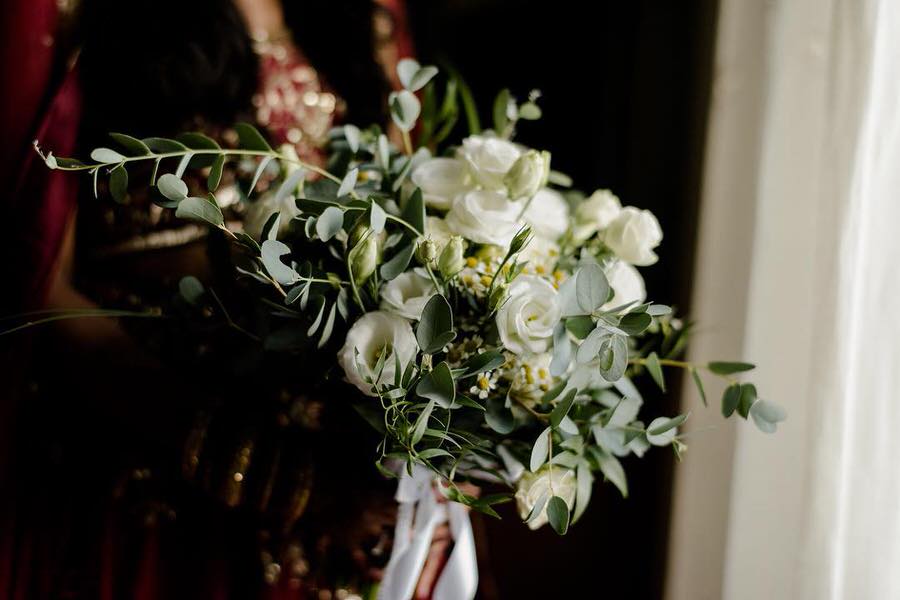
point(129, 478)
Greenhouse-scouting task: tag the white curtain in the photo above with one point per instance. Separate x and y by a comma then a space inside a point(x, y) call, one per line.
point(812, 89)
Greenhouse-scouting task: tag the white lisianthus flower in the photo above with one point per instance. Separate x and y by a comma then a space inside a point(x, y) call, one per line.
point(526, 319)
point(528, 174)
point(484, 217)
point(441, 180)
point(407, 294)
point(260, 211)
point(548, 214)
point(633, 235)
point(532, 486)
point(372, 335)
point(489, 159)
point(437, 230)
point(595, 214)
point(627, 284)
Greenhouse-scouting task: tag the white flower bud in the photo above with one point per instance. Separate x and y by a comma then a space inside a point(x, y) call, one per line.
point(426, 252)
point(364, 259)
point(528, 174)
point(452, 260)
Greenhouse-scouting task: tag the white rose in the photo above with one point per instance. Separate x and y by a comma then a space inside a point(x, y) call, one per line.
point(441, 180)
point(373, 334)
point(489, 159)
point(633, 235)
point(526, 320)
point(484, 217)
point(596, 213)
point(548, 214)
point(437, 230)
point(407, 294)
point(627, 284)
point(260, 211)
point(532, 486)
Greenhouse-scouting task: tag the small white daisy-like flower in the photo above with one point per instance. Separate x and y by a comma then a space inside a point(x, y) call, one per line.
point(484, 384)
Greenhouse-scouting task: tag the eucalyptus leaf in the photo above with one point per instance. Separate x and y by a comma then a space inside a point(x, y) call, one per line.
point(329, 327)
point(655, 370)
point(746, 399)
point(329, 223)
point(580, 326)
point(584, 486)
point(250, 138)
point(699, 383)
point(435, 328)
point(377, 217)
point(438, 385)
point(405, 109)
point(164, 145)
point(398, 263)
point(730, 399)
point(272, 251)
point(288, 187)
point(540, 450)
point(728, 368)
point(172, 187)
point(414, 211)
point(498, 416)
point(661, 425)
point(200, 209)
point(106, 155)
point(767, 415)
point(635, 323)
point(591, 288)
point(215, 173)
point(351, 134)
point(421, 78)
point(558, 515)
point(562, 408)
point(562, 351)
point(135, 146)
point(118, 184)
point(348, 183)
point(480, 363)
point(618, 350)
point(613, 471)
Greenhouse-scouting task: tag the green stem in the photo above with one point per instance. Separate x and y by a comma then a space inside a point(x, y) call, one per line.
point(80, 314)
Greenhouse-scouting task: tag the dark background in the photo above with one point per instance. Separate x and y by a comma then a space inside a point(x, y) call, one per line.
point(625, 92)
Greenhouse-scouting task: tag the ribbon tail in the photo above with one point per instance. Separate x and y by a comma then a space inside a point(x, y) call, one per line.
point(459, 579)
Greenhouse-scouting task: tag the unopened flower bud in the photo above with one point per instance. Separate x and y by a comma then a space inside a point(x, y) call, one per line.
point(358, 233)
point(426, 252)
point(498, 294)
point(364, 259)
point(451, 260)
point(528, 174)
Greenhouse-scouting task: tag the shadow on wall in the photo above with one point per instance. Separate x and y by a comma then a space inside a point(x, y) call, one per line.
point(625, 90)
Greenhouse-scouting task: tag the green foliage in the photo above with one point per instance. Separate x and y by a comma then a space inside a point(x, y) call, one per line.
point(435, 329)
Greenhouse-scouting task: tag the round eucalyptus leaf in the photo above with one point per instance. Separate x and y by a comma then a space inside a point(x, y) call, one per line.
point(406, 70)
point(172, 187)
point(200, 209)
point(558, 515)
point(329, 223)
point(405, 109)
point(106, 155)
point(272, 251)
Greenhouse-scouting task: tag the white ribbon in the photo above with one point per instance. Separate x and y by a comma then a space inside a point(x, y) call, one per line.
point(418, 516)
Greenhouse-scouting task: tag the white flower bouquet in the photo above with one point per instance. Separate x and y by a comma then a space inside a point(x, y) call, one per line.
point(491, 318)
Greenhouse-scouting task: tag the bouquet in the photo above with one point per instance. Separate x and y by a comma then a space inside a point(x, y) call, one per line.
point(491, 318)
